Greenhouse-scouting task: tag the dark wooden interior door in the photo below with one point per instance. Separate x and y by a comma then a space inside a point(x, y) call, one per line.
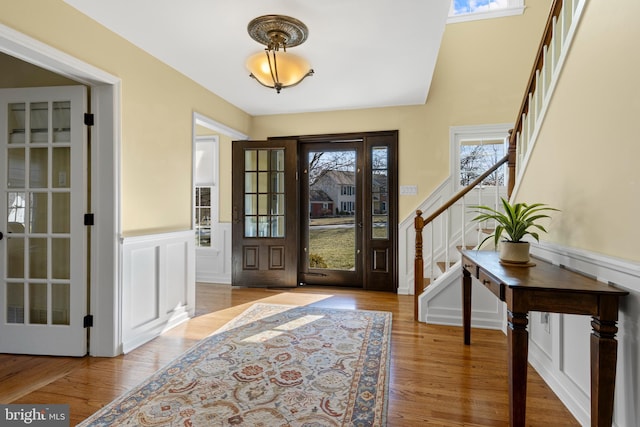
point(264, 213)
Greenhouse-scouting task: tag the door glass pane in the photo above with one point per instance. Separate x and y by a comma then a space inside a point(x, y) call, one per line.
point(16, 169)
point(39, 115)
point(332, 209)
point(379, 193)
point(264, 193)
point(61, 121)
point(15, 303)
point(37, 258)
point(250, 204)
point(61, 167)
point(15, 257)
point(60, 303)
point(38, 213)
point(60, 258)
point(38, 167)
point(16, 212)
point(250, 226)
point(38, 303)
point(250, 160)
point(16, 123)
point(61, 218)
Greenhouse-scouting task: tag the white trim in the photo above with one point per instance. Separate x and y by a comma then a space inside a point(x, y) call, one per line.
point(105, 99)
point(217, 259)
point(209, 123)
point(523, 162)
point(457, 134)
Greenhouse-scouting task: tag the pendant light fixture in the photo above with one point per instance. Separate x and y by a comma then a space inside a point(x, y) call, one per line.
point(276, 68)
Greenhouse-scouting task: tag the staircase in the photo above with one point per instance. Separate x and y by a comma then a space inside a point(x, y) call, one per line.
point(449, 227)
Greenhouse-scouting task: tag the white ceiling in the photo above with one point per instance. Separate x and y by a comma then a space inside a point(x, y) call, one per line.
point(365, 53)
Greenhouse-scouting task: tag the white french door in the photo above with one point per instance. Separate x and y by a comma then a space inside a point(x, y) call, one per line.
point(43, 196)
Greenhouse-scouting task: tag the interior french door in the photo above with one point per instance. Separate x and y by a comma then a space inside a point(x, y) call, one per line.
point(264, 209)
point(43, 193)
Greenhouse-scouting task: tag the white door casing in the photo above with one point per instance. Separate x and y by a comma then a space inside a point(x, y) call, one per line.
point(43, 257)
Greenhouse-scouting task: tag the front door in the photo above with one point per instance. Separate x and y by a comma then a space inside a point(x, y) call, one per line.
point(348, 211)
point(43, 246)
point(264, 213)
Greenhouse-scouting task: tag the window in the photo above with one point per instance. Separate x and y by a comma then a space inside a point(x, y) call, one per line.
point(348, 190)
point(476, 156)
point(469, 10)
point(474, 149)
point(205, 200)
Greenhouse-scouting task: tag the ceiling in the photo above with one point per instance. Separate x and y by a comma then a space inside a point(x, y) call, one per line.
point(365, 53)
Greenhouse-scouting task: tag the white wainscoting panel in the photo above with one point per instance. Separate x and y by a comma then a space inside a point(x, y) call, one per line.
point(562, 356)
point(158, 285)
point(213, 265)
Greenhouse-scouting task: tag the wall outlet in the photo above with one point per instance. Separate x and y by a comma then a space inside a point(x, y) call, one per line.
point(545, 320)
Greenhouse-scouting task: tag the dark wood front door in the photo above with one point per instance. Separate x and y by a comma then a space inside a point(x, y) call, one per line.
point(264, 213)
point(348, 210)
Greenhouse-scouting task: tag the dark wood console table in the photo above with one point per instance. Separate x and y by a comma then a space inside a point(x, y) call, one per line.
point(547, 288)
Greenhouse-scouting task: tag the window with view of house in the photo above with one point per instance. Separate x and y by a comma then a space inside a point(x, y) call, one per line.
point(469, 10)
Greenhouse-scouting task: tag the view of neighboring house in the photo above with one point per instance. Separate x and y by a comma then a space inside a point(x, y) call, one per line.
point(337, 189)
point(340, 188)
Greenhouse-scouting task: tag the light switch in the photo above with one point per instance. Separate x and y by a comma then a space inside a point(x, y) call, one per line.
point(408, 190)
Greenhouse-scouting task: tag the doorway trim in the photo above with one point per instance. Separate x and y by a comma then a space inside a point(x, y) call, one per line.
point(104, 300)
point(218, 257)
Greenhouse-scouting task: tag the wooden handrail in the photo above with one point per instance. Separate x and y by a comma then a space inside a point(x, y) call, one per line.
point(547, 37)
point(419, 223)
point(510, 158)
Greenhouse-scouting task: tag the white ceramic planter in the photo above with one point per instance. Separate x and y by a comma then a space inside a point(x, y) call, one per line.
point(514, 252)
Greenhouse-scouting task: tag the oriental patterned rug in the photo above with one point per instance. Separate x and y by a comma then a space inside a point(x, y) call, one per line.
point(273, 366)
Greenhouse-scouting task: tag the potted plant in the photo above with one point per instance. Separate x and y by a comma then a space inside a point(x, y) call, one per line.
point(517, 221)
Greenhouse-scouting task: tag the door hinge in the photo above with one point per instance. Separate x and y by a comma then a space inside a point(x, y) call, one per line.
point(88, 219)
point(88, 119)
point(88, 321)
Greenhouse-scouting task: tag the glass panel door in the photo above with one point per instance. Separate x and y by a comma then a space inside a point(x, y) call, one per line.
point(42, 187)
point(332, 210)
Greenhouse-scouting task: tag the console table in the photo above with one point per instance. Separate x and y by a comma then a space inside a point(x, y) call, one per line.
point(547, 288)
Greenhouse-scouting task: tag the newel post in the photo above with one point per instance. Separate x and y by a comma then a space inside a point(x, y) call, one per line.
point(418, 264)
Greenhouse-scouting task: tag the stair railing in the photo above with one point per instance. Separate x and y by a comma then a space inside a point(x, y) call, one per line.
point(558, 35)
point(445, 212)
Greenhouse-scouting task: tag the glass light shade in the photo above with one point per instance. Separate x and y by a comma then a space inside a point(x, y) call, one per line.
point(291, 69)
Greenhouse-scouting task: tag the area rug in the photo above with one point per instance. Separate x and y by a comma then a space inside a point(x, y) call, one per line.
point(273, 366)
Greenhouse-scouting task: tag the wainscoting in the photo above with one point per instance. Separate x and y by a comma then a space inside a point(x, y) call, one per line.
point(158, 285)
point(559, 344)
point(213, 265)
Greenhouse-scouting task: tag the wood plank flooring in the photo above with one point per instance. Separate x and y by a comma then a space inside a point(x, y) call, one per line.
point(435, 379)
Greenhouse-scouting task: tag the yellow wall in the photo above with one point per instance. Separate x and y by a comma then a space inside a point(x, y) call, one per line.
point(157, 105)
point(480, 78)
point(586, 159)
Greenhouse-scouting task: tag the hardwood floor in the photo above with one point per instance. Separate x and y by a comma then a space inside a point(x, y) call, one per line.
point(435, 379)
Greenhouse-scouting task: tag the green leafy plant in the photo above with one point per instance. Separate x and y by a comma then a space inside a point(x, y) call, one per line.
point(517, 220)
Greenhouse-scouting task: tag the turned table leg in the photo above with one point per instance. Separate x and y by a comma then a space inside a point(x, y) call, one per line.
point(604, 353)
point(518, 341)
